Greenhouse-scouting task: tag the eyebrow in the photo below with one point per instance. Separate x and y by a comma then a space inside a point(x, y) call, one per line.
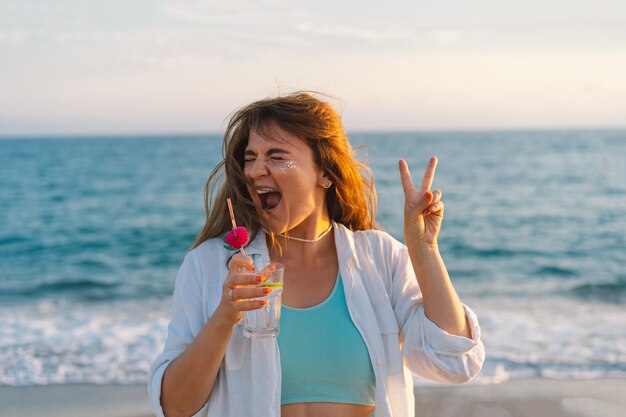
point(270, 152)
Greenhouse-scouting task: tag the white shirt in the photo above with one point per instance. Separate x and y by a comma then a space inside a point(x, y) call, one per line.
point(384, 301)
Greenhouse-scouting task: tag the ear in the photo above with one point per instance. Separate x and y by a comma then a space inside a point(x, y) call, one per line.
point(324, 181)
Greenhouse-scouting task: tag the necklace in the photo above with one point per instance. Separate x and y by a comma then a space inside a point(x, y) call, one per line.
point(309, 240)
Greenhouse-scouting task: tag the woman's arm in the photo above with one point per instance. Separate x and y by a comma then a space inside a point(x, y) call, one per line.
point(423, 214)
point(189, 379)
point(441, 302)
point(428, 349)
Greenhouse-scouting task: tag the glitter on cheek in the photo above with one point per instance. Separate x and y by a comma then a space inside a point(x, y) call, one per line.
point(287, 166)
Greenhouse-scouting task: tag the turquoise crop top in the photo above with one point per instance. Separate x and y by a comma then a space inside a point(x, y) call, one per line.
point(322, 354)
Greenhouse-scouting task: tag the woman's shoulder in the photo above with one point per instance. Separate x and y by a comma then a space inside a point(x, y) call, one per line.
point(210, 244)
point(377, 242)
point(380, 252)
point(209, 254)
point(377, 237)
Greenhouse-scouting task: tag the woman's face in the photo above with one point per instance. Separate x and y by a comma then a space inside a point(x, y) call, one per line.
point(283, 180)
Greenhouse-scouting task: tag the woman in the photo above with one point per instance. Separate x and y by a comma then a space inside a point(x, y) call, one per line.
point(360, 310)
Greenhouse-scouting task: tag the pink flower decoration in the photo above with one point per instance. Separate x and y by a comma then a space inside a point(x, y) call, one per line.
point(237, 238)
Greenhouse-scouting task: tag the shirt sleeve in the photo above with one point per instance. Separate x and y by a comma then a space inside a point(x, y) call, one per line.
point(182, 329)
point(430, 351)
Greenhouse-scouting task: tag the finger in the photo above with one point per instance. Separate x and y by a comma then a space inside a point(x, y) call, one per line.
point(434, 208)
point(436, 196)
point(238, 294)
point(243, 278)
point(429, 174)
point(249, 305)
point(268, 268)
point(405, 177)
point(240, 261)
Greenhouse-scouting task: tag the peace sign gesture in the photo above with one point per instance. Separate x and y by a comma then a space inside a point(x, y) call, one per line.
point(423, 209)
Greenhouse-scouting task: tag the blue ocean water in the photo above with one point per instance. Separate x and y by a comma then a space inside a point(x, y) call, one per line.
point(92, 231)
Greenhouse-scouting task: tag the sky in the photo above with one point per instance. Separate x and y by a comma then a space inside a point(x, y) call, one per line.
point(174, 66)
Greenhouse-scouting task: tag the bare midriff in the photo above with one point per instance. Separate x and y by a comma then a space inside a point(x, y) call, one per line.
point(326, 410)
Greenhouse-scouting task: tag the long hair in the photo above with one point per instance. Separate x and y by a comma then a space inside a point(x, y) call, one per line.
point(351, 200)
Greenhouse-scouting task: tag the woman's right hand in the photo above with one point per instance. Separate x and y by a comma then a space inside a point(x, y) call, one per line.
point(239, 288)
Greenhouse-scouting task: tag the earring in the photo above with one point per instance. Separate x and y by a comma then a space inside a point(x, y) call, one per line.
point(326, 184)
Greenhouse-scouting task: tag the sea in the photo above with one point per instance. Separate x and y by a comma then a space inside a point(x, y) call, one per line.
point(93, 230)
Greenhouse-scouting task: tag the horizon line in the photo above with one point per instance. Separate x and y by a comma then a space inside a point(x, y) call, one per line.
point(96, 135)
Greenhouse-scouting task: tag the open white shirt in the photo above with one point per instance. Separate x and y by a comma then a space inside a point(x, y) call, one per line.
point(384, 301)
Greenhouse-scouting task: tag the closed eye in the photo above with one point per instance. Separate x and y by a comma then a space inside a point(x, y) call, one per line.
point(273, 158)
point(273, 155)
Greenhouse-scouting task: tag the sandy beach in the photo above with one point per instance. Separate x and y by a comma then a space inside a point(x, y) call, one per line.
point(518, 398)
point(525, 398)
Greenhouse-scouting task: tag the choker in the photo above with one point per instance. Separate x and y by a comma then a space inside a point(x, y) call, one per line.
point(309, 240)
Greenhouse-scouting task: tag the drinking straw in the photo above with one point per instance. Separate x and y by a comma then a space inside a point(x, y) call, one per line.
point(232, 218)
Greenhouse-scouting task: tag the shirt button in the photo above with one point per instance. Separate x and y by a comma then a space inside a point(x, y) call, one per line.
point(379, 362)
point(356, 317)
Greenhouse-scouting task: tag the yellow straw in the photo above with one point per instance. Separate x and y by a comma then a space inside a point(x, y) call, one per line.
point(232, 213)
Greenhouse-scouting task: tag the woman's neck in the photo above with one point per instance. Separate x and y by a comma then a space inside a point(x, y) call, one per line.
point(305, 253)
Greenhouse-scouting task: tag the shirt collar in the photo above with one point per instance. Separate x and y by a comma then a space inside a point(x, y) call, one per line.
point(258, 247)
point(346, 249)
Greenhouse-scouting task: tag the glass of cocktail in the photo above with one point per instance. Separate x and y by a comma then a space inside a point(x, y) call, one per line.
point(264, 322)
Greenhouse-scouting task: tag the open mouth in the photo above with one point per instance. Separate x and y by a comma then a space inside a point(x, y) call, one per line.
point(269, 197)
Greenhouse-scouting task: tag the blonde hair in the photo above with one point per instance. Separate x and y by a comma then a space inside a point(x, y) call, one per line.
point(351, 200)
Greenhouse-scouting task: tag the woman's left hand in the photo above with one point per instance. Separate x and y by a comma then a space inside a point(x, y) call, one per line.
point(423, 209)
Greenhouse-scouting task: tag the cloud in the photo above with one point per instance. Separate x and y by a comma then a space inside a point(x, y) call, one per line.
point(13, 37)
point(229, 13)
point(387, 33)
point(174, 61)
point(444, 36)
point(185, 13)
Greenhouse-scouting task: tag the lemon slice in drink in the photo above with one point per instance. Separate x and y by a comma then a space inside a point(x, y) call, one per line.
point(271, 284)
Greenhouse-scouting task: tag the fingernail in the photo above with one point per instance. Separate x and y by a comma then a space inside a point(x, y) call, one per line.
point(267, 291)
point(259, 278)
point(428, 195)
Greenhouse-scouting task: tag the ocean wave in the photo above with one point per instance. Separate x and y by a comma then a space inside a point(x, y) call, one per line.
point(460, 249)
point(87, 290)
point(555, 270)
point(63, 342)
point(12, 240)
point(608, 292)
point(49, 288)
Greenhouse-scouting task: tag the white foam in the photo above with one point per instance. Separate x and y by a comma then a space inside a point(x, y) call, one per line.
point(50, 342)
point(60, 342)
point(555, 338)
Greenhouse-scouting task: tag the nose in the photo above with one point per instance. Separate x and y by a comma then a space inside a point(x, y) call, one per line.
point(257, 168)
